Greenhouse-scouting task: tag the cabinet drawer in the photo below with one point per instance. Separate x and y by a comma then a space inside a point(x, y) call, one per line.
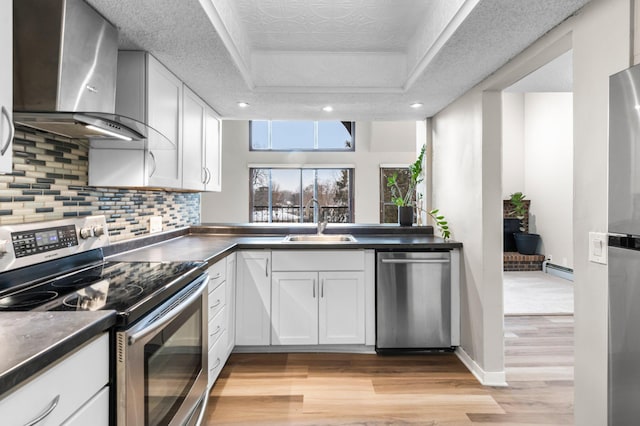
point(95, 412)
point(217, 300)
point(73, 381)
point(217, 326)
point(217, 358)
point(217, 274)
point(317, 260)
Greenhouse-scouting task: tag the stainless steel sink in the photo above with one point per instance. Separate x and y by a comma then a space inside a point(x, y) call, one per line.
point(319, 238)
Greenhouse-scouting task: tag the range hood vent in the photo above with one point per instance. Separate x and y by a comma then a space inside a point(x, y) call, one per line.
point(64, 74)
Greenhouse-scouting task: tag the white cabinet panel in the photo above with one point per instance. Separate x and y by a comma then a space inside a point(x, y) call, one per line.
point(164, 95)
point(6, 86)
point(342, 308)
point(94, 413)
point(212, 151)
point(294, 314)
point(150, 93)
point(72, 382)
point(318, 260)
point(217, 358)
point(253, 298)
point(231, 301)
point(193, 172)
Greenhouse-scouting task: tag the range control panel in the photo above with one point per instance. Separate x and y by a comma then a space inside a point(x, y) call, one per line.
point(30, 243)
point(26, 243)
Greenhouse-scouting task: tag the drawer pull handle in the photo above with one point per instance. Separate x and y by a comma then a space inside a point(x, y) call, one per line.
point(215, 366)
point(215, 332)
point(52, 406)
point(215, 305)
point(217, 276)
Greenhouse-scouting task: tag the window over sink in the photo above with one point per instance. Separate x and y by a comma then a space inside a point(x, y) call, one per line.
point(286, 194)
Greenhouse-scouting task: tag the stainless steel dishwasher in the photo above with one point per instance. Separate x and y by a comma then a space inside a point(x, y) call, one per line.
point(413, 300)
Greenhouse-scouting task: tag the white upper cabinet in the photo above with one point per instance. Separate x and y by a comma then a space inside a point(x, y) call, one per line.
point(201, 145)
point(150, 93)
point(212, 151)
point(6, 86)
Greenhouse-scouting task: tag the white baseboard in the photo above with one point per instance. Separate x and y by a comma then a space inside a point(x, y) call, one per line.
point(486, 378)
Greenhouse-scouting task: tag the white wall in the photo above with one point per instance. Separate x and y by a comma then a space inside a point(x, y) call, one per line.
point(512, 143)
point(537, 159)
point(376, 143)
point(600, 37)
point(548, 171)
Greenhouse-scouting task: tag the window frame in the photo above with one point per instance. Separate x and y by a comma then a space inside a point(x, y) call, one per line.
point(315, 138)
point(383, 184)
point(350, 201)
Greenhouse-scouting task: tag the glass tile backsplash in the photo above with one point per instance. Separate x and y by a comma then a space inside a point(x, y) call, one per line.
point(49, 181)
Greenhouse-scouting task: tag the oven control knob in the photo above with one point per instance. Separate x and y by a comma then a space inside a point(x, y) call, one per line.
point(98, 231)
point(3, 246)
point(86, 233)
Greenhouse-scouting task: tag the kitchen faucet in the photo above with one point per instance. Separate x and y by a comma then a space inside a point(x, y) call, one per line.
point(322, 224)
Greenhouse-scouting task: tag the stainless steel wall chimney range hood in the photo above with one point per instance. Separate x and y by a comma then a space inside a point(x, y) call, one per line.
point(65, 65)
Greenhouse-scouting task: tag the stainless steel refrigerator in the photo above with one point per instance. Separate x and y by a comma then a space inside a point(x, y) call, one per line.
point(624, 248)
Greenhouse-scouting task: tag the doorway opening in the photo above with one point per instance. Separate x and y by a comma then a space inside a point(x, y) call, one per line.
point(537, 160)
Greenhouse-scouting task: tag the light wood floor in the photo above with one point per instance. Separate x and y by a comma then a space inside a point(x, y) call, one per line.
point(342, 389)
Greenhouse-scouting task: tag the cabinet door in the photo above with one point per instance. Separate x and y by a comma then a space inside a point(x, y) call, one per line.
point(253, 298)
point(342, 308)
point(212, 152)
point(193, 172)
point(6, 86)
point(231, 302)
point(294, 310)
point(164, 99)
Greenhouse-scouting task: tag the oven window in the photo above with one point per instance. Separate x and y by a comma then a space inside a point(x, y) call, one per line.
point(173, 360)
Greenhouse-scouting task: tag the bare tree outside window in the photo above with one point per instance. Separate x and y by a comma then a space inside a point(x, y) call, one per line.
point(388, 210)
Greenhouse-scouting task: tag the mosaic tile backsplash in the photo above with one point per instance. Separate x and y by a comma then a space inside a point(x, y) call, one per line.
point(50, 181)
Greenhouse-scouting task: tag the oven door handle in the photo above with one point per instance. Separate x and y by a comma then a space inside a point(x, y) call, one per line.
point(166, 318)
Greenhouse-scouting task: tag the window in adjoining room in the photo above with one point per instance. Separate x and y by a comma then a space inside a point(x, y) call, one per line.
point(388, 210)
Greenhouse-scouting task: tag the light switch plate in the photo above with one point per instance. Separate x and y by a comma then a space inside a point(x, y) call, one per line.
point(155, 224)
point(598, 247)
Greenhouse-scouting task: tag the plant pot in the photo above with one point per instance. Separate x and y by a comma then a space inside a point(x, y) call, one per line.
point(405, 215)
point(526, 243)
point(511, 225)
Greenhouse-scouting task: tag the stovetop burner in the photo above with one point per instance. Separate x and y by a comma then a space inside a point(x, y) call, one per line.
point(27, 299)
point(122, 286)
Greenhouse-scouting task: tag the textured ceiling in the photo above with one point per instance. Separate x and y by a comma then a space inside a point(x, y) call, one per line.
point(368, 60)
point(556, 76)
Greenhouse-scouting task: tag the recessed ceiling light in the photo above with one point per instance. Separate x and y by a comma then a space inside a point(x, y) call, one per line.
point(328, 108)
point(243, 104)
point(416, 105)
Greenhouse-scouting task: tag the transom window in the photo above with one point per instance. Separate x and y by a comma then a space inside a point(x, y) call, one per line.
point(301, 135)
point(285, 194)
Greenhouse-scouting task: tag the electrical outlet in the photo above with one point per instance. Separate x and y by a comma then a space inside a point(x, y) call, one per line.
point(550, 258)
point(155, 224)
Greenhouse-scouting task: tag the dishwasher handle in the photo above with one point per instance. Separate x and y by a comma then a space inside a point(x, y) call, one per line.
point(415, 260)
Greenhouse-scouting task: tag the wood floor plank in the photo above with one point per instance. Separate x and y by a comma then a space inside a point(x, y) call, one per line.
point(432, 389)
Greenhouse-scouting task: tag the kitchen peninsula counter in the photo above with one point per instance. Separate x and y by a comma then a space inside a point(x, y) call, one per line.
point(31, 342)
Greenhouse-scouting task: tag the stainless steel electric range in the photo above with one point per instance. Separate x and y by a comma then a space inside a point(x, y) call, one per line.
point(159, 347)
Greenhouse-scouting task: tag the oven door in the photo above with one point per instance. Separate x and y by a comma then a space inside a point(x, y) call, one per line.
point(161, 361)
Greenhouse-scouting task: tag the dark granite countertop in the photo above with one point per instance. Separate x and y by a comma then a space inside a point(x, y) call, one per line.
point(210, 244)
point(32, 341)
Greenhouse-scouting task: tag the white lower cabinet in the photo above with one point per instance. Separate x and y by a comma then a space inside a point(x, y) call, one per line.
point(341, 315)
point(294, 309)
point(310, 308)
point(253, 298)
point(69, 392)
point(231, 302)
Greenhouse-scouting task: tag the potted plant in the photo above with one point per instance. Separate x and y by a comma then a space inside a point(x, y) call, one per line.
point(526, 243)
point(405, 199)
